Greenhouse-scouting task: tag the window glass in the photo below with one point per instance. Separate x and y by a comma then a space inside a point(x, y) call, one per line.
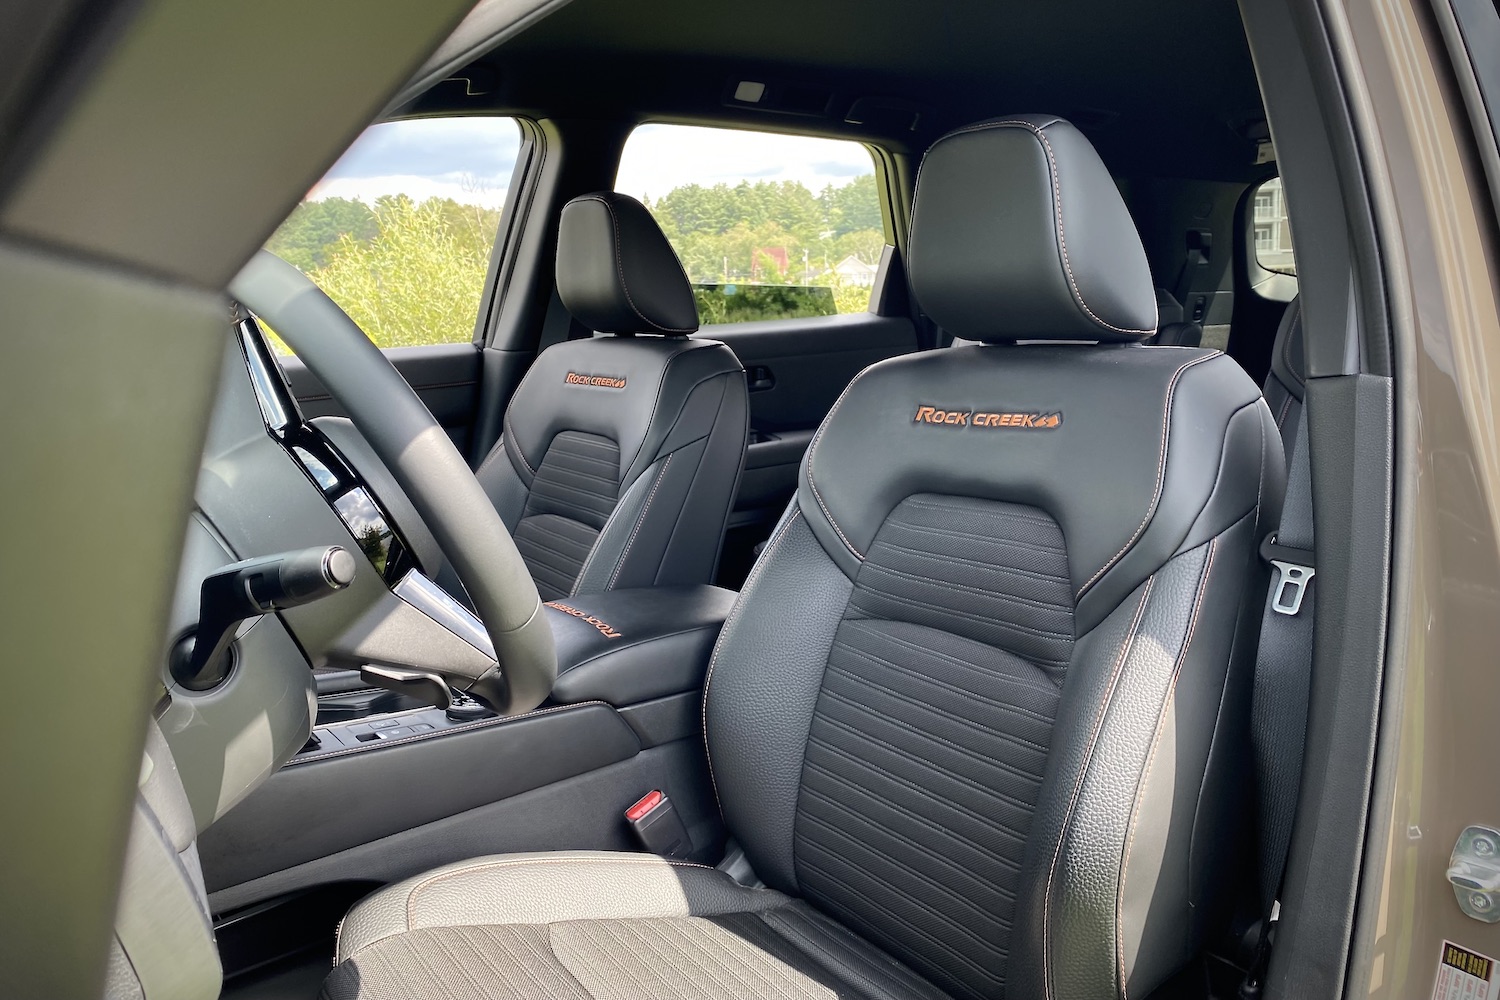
point(400, 230)
point(1273, 234)
point(767, 226)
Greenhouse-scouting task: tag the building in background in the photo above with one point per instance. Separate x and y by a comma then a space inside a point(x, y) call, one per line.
point(1273, 235)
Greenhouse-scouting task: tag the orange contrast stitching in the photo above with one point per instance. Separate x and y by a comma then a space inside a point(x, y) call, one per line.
point(1093, 742)
point(1161, 719)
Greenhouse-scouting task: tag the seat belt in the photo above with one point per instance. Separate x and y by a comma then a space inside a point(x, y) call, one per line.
point(559, 326)
point(1198, 246)
point(1283, 680)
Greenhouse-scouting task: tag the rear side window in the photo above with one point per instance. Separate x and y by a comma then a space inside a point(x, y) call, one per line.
point(1273, 234)
point(399, 231)
point(767, 226)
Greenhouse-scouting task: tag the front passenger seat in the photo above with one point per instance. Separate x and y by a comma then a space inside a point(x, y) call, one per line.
point(977, 719)
point(621, 454)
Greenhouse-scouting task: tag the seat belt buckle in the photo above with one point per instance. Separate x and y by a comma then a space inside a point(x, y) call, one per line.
point(657, 825)
point(1294, 571)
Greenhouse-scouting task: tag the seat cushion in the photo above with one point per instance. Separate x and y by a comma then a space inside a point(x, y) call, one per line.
point(600, 925)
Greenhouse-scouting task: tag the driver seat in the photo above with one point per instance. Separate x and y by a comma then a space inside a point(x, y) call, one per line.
point(620, 454)
point(978, 719)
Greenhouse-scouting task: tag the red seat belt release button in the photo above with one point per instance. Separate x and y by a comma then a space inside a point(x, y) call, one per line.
point(658, 827)
point(647, 802)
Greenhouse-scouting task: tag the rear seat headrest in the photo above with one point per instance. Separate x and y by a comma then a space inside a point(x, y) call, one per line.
point(616, 272)
point(1019, 233)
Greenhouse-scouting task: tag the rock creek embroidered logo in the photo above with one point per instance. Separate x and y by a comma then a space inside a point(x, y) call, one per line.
point(972, 418)
point(597, 381)
point(605, 628)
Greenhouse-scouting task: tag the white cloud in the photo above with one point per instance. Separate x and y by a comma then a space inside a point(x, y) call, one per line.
point(367, 189)
point(467, 159)
point(470, 160)
point(658, 158)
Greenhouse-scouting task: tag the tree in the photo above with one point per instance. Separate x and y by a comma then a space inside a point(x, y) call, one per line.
point(418, 280)
point(314, 228)
point(853, 207)
point(412, 272)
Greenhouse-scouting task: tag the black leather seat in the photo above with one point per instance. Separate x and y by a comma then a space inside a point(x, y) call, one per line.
point(621, 454)
point(975, 719)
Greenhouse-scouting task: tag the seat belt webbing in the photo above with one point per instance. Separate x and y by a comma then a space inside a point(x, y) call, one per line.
point(1283, 680)
point(1283, 670)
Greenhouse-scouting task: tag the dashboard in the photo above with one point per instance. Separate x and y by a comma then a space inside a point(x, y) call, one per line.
point(272, 481)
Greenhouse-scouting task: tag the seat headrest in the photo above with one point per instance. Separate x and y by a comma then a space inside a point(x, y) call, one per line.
point(1019, 233)
point(616, 272)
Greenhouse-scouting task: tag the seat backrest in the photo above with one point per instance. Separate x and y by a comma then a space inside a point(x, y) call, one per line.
point(621, 453)
point(1284, 382)
point(977, 699)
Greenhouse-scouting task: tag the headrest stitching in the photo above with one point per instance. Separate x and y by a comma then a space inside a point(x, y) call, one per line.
point(1057, 211)
point(620, 270)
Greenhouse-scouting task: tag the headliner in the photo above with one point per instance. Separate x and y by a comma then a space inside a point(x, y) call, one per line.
point(1163, 88)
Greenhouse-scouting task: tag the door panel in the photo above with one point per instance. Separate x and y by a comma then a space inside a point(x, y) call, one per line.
point(796, 370)
point(445, 376)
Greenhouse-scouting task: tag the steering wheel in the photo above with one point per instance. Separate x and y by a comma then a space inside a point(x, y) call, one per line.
point(422, 459)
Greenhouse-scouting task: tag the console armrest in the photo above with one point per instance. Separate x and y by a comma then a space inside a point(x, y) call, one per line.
point(628, 646)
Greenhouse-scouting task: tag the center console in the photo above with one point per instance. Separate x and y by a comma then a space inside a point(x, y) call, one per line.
point(642, 653)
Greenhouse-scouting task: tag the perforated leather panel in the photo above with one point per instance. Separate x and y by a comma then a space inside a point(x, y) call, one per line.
point(931, 731)
point(576, 486)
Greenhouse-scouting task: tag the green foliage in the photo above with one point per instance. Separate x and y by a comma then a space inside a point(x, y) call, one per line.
point(412, 272)
point(314, 228)
point(416, 279)
point(723, 232)
point(748, 303)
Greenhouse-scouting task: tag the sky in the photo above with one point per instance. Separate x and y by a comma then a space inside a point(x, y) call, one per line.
point(471, 159)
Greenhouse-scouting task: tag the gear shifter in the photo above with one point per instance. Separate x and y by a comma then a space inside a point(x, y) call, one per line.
point(466, 709)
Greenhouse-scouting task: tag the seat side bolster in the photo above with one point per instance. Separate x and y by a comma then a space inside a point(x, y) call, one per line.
point(1211, 476)
point(667, 430)
point(674, 535)
point(503, 484)
point(547, 888)
point(1186, 819)
point(762, 685)
point(1106, 871)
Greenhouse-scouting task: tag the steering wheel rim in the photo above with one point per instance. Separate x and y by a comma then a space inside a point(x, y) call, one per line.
point(424, 462)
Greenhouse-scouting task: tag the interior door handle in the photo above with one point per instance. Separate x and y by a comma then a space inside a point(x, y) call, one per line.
point(758, 378)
